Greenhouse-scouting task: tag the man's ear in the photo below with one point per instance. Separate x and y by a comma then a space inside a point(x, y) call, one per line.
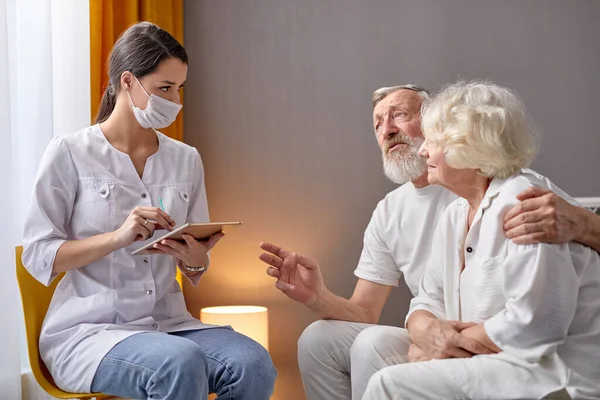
point(126, 80)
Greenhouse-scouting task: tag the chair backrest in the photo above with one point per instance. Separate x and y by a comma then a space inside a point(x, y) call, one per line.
point(36, 298)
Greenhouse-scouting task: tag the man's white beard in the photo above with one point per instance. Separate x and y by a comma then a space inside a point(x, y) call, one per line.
point(401, 167)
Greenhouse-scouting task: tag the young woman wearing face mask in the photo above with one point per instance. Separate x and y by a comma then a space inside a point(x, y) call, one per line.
point(118, 323)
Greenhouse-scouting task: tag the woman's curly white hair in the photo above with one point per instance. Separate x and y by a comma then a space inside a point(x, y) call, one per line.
point(480, 126)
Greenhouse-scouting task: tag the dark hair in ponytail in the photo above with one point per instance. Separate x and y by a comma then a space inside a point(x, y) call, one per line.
point(139, 50)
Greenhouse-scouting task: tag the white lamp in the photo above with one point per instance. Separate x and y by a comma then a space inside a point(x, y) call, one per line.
point(252, 321)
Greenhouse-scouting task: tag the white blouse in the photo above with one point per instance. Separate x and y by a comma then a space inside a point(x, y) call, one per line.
point(86, 187)
point(539, 303)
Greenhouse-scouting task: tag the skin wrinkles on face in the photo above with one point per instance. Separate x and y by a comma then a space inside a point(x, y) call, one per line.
point(397, 124)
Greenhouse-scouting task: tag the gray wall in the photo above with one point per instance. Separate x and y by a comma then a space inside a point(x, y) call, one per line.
point(278, 103)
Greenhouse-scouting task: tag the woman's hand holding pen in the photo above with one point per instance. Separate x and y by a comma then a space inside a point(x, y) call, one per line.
point(141, 224)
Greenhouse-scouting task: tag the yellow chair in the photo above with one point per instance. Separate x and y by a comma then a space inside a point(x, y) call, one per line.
point(36, 299)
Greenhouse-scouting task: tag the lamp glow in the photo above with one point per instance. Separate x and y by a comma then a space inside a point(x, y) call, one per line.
point(252, 321)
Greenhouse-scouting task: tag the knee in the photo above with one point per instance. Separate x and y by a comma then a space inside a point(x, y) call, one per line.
point(314, 342)
point(377, 344)
point(258, 365)
point(184, 368)
point(256, 371)
point(189, 359)
point(366, 342)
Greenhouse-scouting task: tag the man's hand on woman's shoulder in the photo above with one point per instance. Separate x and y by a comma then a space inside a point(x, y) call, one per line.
point(543, 216)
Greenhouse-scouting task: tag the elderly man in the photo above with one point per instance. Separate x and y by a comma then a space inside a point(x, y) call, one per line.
point(339, 353)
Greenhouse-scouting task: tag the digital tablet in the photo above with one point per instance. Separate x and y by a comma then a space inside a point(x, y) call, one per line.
point(198, 231)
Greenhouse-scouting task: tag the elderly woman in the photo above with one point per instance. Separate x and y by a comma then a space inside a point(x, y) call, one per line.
point(535, 307)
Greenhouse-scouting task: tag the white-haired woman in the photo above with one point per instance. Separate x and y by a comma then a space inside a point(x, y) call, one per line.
point(535, 307)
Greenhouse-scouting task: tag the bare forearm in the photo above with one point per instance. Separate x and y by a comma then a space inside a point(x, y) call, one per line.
point(590, 235)
point(75, 254)
point(418, 322)
point(330, 306)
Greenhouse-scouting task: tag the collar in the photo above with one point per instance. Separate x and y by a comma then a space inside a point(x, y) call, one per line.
point(492, 191)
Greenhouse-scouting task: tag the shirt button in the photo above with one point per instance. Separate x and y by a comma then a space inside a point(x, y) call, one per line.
point(469, 249)
point(148, 292)
point(155, 326)
point(145, 261)
point(185, 195)
point(103, 192)
point(143, 195)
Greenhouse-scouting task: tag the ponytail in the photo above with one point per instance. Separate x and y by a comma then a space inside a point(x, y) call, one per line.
point(107, 104)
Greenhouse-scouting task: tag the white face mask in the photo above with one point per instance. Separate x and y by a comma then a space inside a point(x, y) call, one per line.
point(159, 113)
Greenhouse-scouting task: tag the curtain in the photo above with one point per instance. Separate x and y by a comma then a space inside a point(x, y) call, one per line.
point(10, 374)
point(42, 97)
point(108, 19)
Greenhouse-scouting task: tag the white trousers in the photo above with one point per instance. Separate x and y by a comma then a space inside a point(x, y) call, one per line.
point(345, 360)
point(330, 352)
point(497, 376)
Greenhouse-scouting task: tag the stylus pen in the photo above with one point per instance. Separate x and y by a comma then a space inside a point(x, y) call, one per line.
point(162, 207)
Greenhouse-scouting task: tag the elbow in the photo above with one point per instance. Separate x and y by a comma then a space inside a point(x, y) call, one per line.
point(38, 259)
point(529, 342)
point(532, 353)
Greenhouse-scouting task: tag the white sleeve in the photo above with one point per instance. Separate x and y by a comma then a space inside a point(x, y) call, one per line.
point(541, 286)
point(198, 211)
point(431, 284)
point(50, 211)
point(376, 262)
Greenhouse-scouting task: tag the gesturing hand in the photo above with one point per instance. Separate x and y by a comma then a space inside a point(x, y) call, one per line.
point(299, 277)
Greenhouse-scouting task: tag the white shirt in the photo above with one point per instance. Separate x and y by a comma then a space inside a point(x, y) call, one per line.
point(540, 303)
point(86, 187)
point(397, 240)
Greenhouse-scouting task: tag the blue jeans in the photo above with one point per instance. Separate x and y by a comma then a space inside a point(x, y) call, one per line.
point(186, 366)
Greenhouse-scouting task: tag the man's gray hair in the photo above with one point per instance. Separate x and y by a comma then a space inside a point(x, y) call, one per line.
point(384, 92)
